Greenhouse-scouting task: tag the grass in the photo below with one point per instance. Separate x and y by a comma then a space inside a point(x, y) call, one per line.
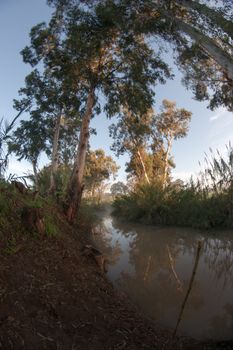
point(187, 206)
point(51, 228)
point(12, 203)
point(205, 203)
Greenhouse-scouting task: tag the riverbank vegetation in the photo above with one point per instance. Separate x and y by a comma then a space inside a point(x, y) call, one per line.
point(205, 202)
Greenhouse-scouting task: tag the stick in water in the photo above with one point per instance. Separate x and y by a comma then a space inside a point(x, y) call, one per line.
point(147, 268)
point(189, 287)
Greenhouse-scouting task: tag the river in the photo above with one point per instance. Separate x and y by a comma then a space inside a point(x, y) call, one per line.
point(153, 266)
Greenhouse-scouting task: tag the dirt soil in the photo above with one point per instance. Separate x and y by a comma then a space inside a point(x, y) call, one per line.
point(52, 296)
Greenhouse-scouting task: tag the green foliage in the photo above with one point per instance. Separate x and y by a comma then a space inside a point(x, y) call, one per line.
point(201, 37)
point(186, 207)
point(97, 48)
point(48, 102)
point(118, 188)
point(35, 203)
point(205, 79)
point(99, 168)
point(141, 204)
point(13, 234)
point(5, 136)
point(87, 216)
point(11, 204)
point(148, 138)
point(61, 178)
point(4, 207)
point(29, 139)
point(51, 228)
point(172, 122)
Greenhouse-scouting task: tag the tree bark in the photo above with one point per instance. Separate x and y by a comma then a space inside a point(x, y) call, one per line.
point(169, 145)
point(34, 166)
point(75, 187)
point(54, 163)
point(143, 167)
point(210, 13)
point(208, 44)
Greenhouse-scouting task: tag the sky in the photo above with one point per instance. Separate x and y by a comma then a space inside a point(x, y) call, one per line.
point(207, 129)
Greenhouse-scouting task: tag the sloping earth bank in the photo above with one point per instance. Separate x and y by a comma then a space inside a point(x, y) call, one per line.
point(52, 296)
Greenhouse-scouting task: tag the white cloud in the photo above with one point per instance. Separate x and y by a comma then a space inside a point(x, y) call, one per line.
point(220, 112)
point(221, 131)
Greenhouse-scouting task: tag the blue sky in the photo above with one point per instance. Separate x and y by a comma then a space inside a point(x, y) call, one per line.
point(207, 128)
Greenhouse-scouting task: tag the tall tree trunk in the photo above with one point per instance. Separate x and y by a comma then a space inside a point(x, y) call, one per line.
point(54, 163)
point(169, 145)
point(143, 167)
point(92, 191)
point(34, 166)
point(208, 44)
point(75, 187)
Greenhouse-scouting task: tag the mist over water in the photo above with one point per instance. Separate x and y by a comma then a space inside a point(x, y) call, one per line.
point(153, 266)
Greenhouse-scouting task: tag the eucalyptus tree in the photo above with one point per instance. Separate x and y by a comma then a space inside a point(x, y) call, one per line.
point(30, 138)
point(52, 120)
point(203, 76)
point(199, 32)
point(131, 134)
point(28, 141)
point(208, 27)
point(98, 169)
point(98, 54)
point(171, 124)
point(201, 35)
point(148, 140)
point(118, 188)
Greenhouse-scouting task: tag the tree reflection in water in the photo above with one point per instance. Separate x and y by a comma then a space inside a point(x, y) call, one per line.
point(219, 257)
point(139, 264)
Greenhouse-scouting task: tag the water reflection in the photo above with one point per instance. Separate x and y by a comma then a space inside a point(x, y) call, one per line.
point(153, 266)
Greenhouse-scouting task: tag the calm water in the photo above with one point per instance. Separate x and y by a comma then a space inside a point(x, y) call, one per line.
point(154, 266)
